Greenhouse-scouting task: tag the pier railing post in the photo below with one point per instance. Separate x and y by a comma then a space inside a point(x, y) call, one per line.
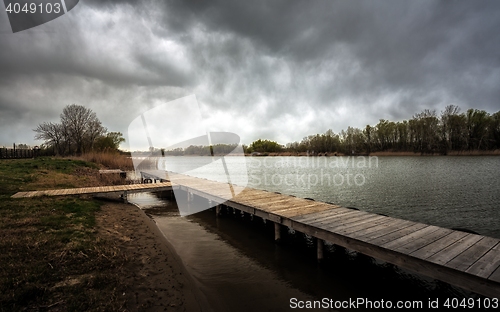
point(277, 232)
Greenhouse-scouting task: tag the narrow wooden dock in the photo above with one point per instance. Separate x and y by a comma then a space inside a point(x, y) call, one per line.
point(466, 260)
point(123, 190)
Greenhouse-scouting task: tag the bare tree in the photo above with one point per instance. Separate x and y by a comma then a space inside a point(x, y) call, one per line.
point(79, 127)
point(52, 134)
point(81, 123)
point(447, 130)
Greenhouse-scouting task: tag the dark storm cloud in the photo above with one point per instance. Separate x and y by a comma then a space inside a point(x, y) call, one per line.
point(279, 69)
point(410, 56)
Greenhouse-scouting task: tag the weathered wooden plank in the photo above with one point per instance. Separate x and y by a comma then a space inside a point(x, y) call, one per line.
point(339, 223)
point(247, 193)
point(440, 244)
point(495, 276)
point(38, 193)
point(302, 206)
point(364, 224)
point(425, 240)
point(309, 209)
point(331, 218)
point(450, 252)
point(405, 239)
point(312, 216)
point(322, 217)
point(263, 202)
point(208, 188)
point(19, 195)
point(55, 193)
point(283, 204)
point(487, 264)
point(222, 193)
point(94, 189)
point(393, 235)
point(468, 257)
point(370, 233)
point(83, 190)
point(252, 199)
point(248, 199)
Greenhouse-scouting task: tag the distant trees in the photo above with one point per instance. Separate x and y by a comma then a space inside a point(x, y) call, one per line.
point(425, 132)
point(79, 131)
point(262, 146)
point(110, 141)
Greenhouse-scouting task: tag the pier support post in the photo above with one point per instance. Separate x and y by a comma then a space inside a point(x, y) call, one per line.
point(319, 244)
point(125, 200)
point(217, 210)
point(277, 232)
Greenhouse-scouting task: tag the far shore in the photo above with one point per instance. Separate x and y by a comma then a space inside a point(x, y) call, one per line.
point(333, 154)
point(388, 153)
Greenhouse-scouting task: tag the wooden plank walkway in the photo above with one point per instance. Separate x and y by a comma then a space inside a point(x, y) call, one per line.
point(466, 260)
point(128, 189)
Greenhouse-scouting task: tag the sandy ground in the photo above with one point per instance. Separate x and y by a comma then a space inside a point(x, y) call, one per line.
point(153, 277)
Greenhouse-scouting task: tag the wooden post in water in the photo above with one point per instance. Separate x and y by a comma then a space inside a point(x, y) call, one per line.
point(319, 243)
point(125, 199)
point(277, 232)
point(217, 210)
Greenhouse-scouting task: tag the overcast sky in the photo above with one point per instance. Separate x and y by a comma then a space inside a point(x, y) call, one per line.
point(279, 70)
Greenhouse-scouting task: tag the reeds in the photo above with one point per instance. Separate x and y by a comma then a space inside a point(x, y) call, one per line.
point(111, 160)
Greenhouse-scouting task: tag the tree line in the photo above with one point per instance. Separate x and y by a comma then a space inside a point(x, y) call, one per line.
point(79, 131)
point(425, 133)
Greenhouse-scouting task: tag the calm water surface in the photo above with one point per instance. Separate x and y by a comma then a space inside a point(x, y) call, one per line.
point(447, 191)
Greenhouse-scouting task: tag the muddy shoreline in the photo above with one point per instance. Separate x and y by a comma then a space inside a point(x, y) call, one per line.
point(153, 278)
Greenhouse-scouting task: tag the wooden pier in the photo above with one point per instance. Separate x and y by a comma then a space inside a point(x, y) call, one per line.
point(466, 260)
point(122, 190)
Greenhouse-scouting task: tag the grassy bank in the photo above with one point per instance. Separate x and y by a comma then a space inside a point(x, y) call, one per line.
point(51, 257)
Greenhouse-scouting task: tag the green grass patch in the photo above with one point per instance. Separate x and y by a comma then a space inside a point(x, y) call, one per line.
point(50, 254)
point(16, 173)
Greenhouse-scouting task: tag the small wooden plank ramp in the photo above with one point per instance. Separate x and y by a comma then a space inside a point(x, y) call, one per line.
point(469, 261)
point(131, 188)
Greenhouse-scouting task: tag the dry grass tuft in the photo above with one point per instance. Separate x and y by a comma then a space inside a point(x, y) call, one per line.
point(109, 160)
